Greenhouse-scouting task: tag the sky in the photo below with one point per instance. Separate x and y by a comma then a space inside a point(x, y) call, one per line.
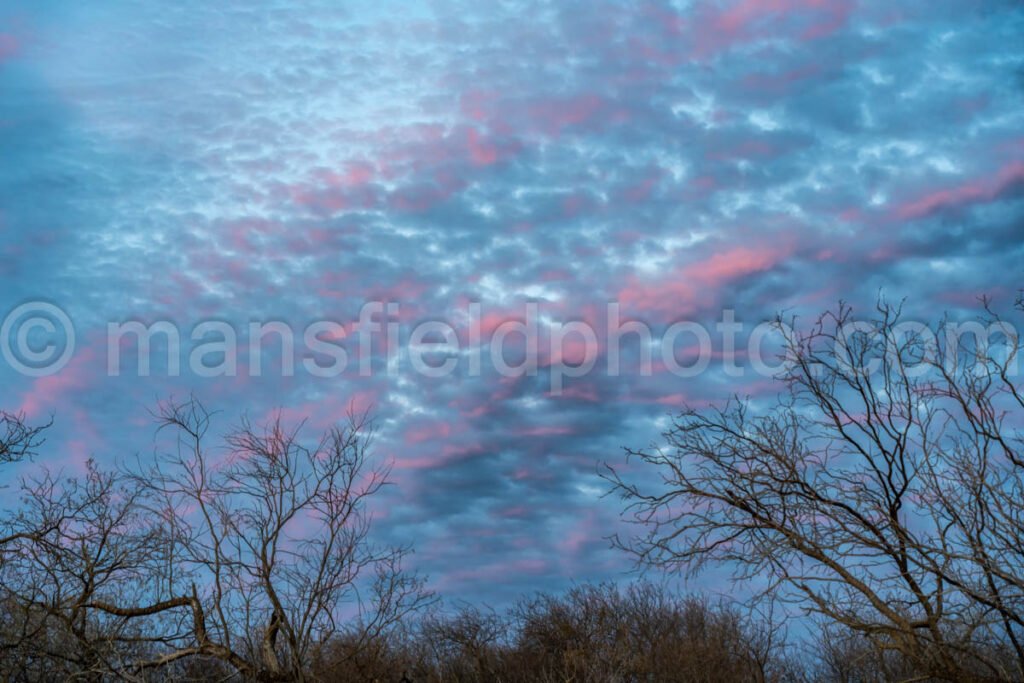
point(232, 162)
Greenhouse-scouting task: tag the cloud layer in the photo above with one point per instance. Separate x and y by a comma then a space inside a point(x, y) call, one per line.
point(290, 161)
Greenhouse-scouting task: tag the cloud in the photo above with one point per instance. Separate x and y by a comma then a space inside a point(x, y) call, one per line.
point(255, 161)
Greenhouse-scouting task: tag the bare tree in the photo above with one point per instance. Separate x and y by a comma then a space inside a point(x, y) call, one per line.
point(82, 544)
point(881, 493)
point(253, 556)
point(469, 645)
point(845, 656)
point(17, 439)
point(592, 632)
point(643, 632)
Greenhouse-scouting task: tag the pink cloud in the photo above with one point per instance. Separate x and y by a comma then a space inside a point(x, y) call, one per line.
point(675, 400)
point(573, 351)
point(732, 264)
point(556, 115)
point(329, 191)
point(681, 292)
point(449, 453)
point(744, 16)
point(478, 105)
point(492, 321)
point(423, 197)
point(642, 188)
point(324, 413)
point(745, 21)
point(48, 393)
point(481, 151)
point(428, 432)
point(586, 530)
point(9, 46)
point(513, 512)
point(544, 431)
point(577, 392)
point(499, 571)
point(975, 191)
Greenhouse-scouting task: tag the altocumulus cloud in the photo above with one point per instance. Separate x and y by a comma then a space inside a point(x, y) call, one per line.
point(292, 160)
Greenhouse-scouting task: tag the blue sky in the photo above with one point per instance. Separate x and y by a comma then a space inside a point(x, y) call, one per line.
point(291, 161)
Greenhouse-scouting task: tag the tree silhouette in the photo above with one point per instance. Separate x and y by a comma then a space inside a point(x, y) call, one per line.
point(254, 558)
point(880, 494)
